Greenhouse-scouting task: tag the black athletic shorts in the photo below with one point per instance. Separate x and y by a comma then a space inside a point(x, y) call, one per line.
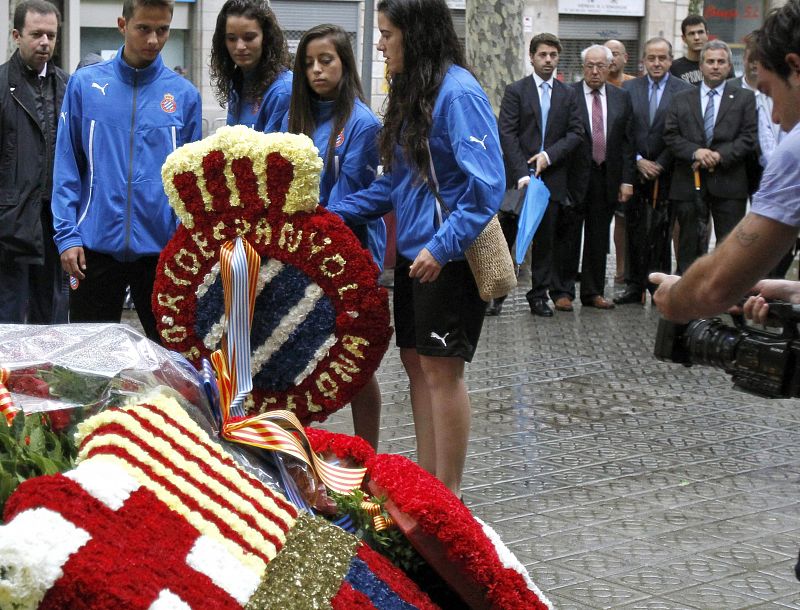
point(439, 318)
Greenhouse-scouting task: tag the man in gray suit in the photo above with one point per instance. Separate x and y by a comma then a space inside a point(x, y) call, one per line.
point(711, 129)
point(651, 95)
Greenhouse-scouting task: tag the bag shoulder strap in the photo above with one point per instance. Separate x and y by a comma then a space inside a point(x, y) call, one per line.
point(433, 186)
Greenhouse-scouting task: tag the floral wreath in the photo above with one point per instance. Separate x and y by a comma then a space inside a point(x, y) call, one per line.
point(321, 323)
point(470, 549)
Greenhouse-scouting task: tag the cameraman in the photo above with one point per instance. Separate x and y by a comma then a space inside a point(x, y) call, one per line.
point(756, 307)
point(717, 281)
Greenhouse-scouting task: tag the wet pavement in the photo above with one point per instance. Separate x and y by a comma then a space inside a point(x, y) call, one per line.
point(620, 481)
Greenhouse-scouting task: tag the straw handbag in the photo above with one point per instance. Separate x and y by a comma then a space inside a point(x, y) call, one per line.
point(489, 257)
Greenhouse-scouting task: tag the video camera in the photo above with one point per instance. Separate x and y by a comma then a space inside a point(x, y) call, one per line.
point(759, 361)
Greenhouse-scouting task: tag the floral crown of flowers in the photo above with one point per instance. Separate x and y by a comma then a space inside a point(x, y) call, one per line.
point(242, 170)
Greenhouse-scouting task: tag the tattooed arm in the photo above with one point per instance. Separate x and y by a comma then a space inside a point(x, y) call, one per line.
point(718, 280)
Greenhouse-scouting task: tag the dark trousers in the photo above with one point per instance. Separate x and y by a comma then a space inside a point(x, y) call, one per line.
point(509, 223)
point(101, 294)
point(726, 214)
point(36, 294)
point(552, 268)
point(647, 232)
point(566, 250)
point(599, 212)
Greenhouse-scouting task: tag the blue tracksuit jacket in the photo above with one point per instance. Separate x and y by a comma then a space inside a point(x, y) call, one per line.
point(117, 126)
point(274, 105)
point(468, 165)
point(355, 163)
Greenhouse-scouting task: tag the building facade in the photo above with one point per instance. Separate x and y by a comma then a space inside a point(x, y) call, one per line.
point(90, 26)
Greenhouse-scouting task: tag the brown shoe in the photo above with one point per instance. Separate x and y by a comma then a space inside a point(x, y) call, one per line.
point(563, 304)
point(598, 302)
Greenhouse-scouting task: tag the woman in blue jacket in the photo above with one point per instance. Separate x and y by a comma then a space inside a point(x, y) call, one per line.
point(328, 106)
point(439, 142)
point(250, 65)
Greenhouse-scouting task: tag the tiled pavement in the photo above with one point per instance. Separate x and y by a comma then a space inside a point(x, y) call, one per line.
point(620, 481)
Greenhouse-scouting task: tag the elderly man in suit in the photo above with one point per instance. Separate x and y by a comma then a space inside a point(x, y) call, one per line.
point(651, 95)
point(712, 129)
point(607, 150)
point(539, 129)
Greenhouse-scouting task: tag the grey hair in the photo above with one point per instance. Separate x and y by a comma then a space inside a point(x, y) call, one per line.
point(657, 40)
point(609, 55)
point(715, 45)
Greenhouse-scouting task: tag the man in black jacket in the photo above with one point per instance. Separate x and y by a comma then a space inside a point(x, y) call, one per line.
point(539, 129)
point(33, 288)
point(607, 146)
point(651, 96)
point(712, 129)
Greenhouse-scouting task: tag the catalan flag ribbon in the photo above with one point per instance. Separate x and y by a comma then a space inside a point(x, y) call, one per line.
point(7, 407)
point(275, 430)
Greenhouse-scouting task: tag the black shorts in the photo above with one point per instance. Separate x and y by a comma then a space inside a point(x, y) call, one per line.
point(440, 318)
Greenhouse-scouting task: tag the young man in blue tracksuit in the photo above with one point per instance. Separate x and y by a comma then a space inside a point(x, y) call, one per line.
point(119, 121)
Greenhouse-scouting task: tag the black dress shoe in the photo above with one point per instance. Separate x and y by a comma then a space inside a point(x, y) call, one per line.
point(628, 297)
point(539, 307)
point(495, 307)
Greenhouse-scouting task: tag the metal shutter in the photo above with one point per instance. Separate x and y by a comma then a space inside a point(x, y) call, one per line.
point(297, 16)
point(578, 32)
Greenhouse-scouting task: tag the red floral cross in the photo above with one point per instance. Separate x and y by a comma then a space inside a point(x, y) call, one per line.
point(134, 553)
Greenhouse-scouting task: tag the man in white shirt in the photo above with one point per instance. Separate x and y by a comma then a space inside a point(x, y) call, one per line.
point(711, 129)
point(539, 129)
point(607, 150)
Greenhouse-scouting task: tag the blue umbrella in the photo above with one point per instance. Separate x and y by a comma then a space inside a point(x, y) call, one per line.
point(536, 199)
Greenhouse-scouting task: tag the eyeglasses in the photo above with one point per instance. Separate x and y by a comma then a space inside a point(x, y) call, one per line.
point(599, 67)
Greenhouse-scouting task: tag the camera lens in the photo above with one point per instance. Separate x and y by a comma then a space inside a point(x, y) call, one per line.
point(712, 343)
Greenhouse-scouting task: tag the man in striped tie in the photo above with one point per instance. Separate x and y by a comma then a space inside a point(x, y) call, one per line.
point(712, 129)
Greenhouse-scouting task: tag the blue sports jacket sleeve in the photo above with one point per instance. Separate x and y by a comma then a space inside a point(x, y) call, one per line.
point(276, 102)
point(365, 205)
point(69, 164)
point(475, 146)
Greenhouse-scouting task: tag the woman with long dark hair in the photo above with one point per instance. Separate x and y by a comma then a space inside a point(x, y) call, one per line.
point(250, 65)
point(444, 178)
point(328, 106)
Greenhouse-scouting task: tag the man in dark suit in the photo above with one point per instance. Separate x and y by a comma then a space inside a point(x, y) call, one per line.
point(651, 95)
point(607, 149)
point(712, 129)
point(539, 128)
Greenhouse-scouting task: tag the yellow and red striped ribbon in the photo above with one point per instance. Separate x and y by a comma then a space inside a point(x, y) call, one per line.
point(282, 431)
point(7, 407)
point(276, 430)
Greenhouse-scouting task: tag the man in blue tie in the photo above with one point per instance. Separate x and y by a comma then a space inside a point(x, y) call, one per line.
point(540, 127)
point(712, 129)
point(651, 95)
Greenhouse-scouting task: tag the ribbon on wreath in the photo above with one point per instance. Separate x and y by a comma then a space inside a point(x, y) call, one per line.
point(7, 406)
point(275, 430)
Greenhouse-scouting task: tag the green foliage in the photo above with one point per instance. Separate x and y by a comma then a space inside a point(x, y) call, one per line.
point(79, 388)
point(389, 542)
point(29, 448)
